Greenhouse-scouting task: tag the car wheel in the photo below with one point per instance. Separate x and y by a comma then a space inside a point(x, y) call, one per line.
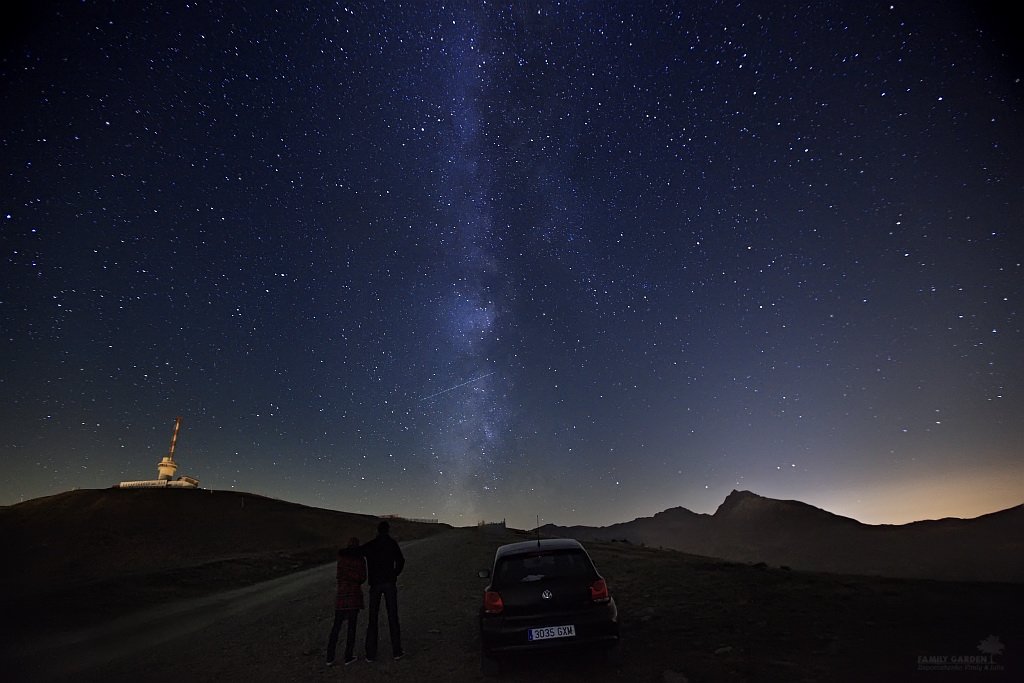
point(489, 666)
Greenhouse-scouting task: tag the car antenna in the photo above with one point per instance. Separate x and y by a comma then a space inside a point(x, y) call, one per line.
point(538, 532)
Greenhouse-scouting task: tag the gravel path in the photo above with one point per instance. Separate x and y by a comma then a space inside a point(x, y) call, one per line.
point(277, 630)
point(683, 618)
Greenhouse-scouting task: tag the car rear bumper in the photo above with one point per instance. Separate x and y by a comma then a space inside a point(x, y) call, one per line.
point(595, 627)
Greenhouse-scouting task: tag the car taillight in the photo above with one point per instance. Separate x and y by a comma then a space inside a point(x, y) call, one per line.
point(493, 603)
point(599, 591)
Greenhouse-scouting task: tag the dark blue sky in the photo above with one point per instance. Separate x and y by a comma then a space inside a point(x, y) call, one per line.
point(480, 260)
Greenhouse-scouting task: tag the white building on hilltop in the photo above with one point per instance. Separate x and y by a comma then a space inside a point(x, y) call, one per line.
point(165, 471)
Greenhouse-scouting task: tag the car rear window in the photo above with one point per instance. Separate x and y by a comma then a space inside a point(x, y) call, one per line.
point(544, 565)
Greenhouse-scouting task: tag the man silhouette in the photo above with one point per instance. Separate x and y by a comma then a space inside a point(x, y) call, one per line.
point(384, 562)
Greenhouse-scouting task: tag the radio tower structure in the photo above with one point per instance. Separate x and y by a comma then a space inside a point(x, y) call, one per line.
point(165, 470)
point(167, 467)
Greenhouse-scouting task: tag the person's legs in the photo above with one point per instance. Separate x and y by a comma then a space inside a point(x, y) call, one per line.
point(350, 638)
point(332, 640)
point(391, 602)
point(371, 626)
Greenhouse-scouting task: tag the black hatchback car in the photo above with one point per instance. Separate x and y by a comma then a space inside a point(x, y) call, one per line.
point(545, 594)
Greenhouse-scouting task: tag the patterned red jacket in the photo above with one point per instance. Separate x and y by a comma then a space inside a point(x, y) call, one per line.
point(351, 575)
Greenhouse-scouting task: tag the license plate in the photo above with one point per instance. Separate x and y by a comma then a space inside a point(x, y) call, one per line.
point(549, 632)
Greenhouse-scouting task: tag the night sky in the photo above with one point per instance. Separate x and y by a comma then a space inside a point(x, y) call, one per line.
point(474, 260)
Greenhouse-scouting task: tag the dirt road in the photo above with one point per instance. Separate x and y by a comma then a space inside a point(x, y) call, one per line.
point(277, 630)
point(683, 618)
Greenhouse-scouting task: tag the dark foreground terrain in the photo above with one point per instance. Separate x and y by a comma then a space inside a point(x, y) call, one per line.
point(684, 618)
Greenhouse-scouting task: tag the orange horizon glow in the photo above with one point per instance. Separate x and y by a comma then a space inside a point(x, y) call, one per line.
point(963, 496)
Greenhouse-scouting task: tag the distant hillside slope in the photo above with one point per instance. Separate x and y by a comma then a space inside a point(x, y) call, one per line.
point(751, 528)
point(80, 536)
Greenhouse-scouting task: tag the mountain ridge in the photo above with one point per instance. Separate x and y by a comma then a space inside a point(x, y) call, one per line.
point(748, 527)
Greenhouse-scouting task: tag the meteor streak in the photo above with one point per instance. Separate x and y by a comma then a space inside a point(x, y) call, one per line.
point(445, 391)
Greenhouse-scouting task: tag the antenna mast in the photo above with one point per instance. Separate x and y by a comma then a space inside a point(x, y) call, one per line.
point(174, 437)
point(167, 467)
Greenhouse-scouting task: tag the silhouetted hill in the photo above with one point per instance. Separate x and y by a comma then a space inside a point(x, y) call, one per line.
point(84, 536)
point(750, 528)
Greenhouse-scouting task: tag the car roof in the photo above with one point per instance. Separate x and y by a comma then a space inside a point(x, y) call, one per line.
point(542, 544)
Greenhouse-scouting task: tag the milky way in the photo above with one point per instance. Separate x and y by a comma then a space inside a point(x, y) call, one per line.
point(475, 261)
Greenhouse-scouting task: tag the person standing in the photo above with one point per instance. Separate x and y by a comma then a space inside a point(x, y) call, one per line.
point(351, 575)
point(384, 562)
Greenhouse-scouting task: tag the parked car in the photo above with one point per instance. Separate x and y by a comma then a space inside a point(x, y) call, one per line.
point(545, 594)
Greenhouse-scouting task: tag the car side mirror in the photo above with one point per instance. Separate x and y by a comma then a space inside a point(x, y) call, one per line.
point(484, 573)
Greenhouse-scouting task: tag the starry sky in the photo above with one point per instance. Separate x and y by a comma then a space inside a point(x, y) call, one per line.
point(581, 261)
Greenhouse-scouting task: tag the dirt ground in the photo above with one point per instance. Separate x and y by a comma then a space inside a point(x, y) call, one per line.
point(683, 619)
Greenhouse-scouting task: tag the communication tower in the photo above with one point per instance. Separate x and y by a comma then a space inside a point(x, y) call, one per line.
point(167, 467)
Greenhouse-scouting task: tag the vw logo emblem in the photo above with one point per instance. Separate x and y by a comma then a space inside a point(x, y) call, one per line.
point(546, 595)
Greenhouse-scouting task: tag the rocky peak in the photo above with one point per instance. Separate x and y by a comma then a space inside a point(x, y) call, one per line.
point(740, 502)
